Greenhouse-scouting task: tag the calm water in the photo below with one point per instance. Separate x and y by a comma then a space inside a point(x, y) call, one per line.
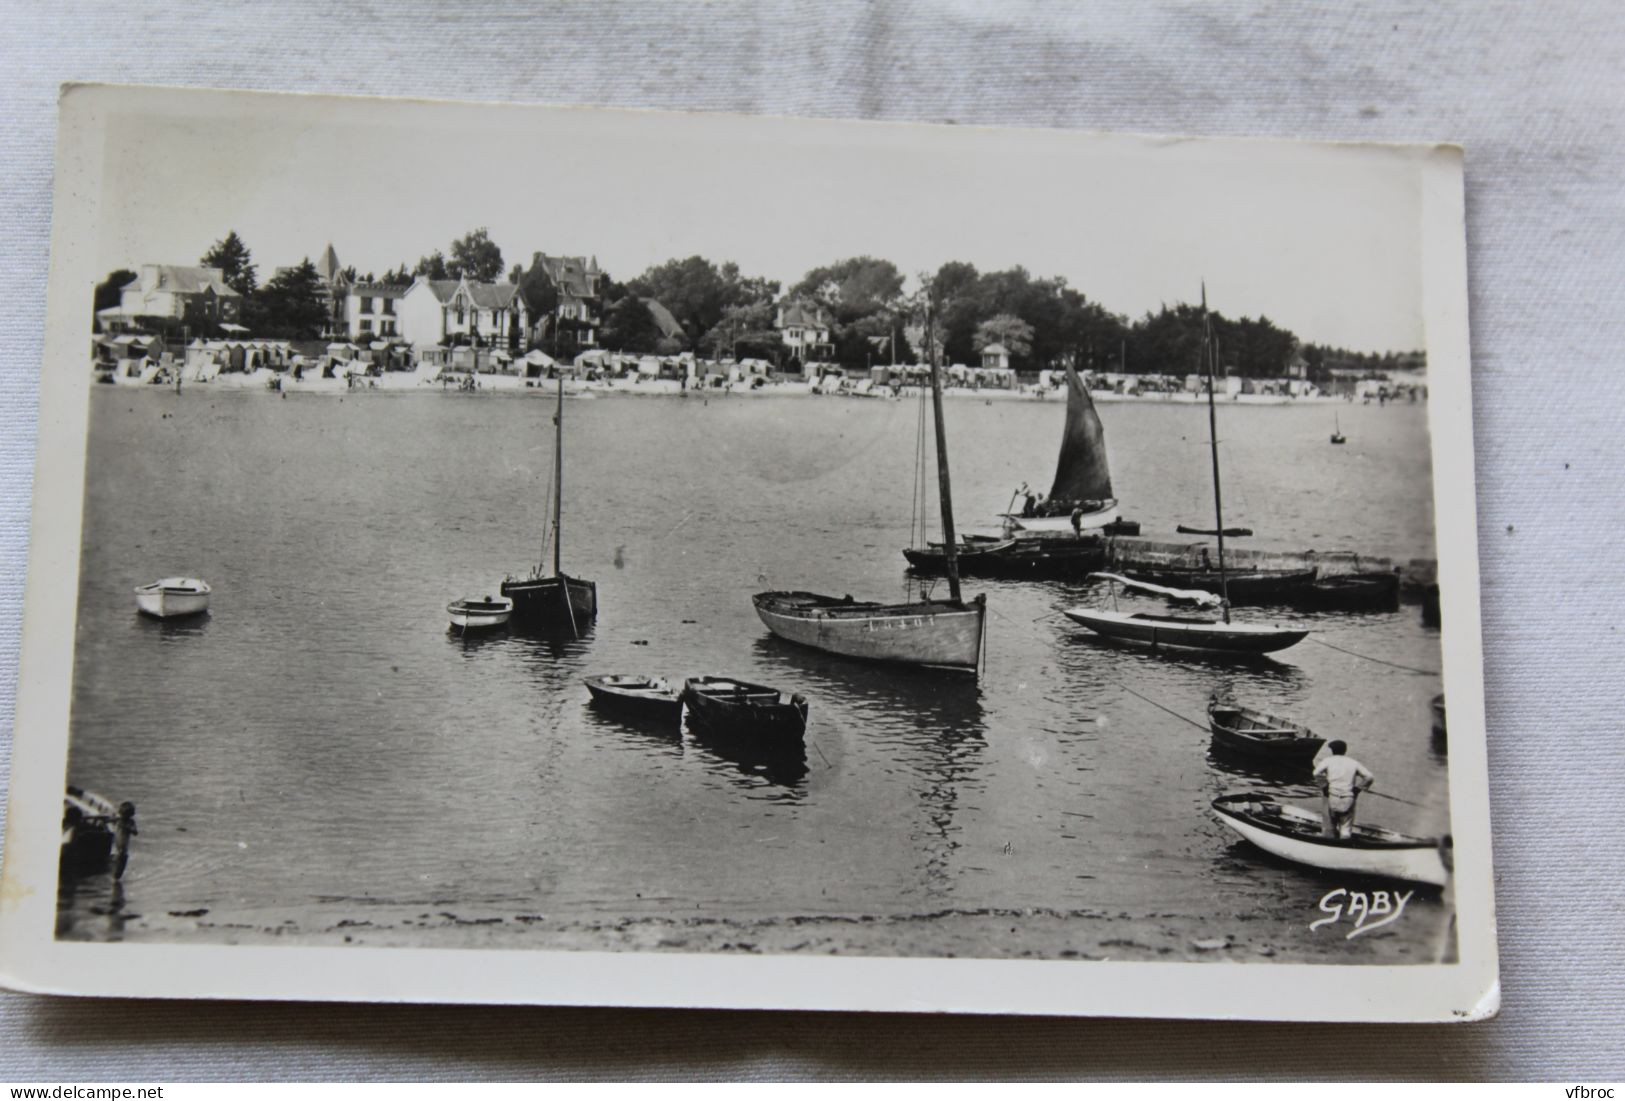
point(319, 745)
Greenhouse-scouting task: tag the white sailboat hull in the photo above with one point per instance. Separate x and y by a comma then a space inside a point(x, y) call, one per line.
point(1190, 633)
point(1043, 525)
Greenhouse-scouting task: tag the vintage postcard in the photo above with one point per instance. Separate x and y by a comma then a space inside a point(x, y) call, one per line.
point(506, 554)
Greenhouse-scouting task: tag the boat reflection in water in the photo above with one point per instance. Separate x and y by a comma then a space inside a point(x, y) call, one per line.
point(931, 726)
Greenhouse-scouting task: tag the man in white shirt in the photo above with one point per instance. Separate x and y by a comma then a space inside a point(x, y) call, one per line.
point(1342, 779)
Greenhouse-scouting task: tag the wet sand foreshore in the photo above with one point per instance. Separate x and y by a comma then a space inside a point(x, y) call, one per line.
point(1016, 933)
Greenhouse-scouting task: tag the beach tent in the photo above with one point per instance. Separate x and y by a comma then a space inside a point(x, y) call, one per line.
point(538, 363)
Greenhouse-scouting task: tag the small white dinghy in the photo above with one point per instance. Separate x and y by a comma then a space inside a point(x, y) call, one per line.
point(172, 597)
point(479, 615)
point(1295, 834)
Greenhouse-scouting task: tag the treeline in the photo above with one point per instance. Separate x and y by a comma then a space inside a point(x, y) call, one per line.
point(717, 310)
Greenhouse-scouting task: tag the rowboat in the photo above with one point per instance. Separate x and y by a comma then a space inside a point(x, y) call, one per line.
point(1295, 834)
point(935, 634)
point(554, 600)
point(479, 615)
point(1187, 632)
point(172, 597)
point(636, 696)
point(95, 833)
point(739, 710)
point(1256, 734)
point(1352, 592)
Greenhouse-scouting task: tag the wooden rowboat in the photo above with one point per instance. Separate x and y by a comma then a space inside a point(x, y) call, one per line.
point(1295, 834)
point(636, 696)
point(1186, 632)
point(750, 713)
point(1253, 733)
point(479, 615)
point(936, 634)
point(173, 597)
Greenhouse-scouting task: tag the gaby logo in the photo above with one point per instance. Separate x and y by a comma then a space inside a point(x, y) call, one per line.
point(1365, 911)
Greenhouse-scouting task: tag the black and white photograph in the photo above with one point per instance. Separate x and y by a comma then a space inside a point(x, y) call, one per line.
point(506, 553)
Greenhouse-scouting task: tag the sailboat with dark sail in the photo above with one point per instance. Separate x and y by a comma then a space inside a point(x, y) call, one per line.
point(1059, 538)
point(934, 634)
point(553, 601)
point(1195, 632)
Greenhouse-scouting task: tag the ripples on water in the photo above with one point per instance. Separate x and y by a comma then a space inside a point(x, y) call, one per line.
point(320, 742)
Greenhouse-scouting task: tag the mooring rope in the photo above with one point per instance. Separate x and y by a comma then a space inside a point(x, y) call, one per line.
point(1379, 661)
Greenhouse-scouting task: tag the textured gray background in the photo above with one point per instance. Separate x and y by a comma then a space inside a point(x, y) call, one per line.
point(1534, 94)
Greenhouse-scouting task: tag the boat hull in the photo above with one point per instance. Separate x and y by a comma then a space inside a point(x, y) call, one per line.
point(1352, 592)
point(1031, 559)
point(1248, 733)
point(471, 616)
point(562, 601)
point(754, 722)
point(172, 598)
point(932, 634)
point(1191, 634)
point(1413, 859)
point(1060, 524)
point(615, 695)
point(1250, 586)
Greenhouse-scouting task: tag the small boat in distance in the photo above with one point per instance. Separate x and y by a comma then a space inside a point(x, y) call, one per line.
point(173, 597)
point(1253, 733)
point(555, 600)
point(1337, 431)
point(636, 696)
point(95, 834)
point(751, 713)
point(479, 615)
point(1295, 834)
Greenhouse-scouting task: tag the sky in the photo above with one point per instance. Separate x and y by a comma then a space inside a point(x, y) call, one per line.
point(1323, 239)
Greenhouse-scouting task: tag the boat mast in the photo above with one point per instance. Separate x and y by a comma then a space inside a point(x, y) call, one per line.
point(558, 473)
point(1213, 439)
point(950, 542)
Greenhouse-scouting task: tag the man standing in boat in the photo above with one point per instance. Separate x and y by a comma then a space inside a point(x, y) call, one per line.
point(1342, 779)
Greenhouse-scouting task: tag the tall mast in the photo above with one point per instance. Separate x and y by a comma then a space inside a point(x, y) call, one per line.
point(950, 542)
point(558, 473)
point(1213, 440)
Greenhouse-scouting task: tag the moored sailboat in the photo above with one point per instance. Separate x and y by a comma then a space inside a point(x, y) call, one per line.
point(935, 634)
point(556, 600)
point(1066, 540)
point(1219, 636)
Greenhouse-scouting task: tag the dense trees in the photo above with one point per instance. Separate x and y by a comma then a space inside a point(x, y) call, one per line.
point(432, 266)
point(107, 291)
point(292, 305)
point(1041, 322)
point(236, 264)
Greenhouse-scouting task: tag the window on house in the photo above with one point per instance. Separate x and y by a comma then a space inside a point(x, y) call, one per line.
point(366, 324)
point(366, 305)
point(389, 306)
